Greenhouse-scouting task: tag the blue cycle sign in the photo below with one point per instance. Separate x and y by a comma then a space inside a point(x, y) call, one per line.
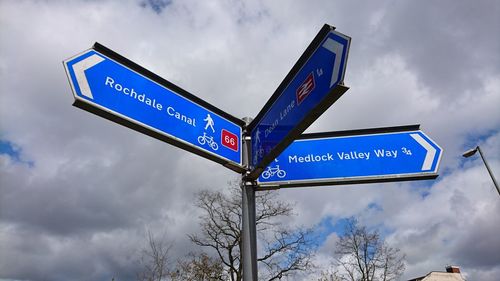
point(309, 89)
point(113, 90)
point(113, 87)
point(354, 159)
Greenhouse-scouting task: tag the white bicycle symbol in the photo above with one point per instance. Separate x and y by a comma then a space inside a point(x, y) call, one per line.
point(209, 140)
point(269, 172)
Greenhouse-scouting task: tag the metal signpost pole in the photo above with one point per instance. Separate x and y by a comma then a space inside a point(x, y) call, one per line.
point(249, 233)
point(249, 243)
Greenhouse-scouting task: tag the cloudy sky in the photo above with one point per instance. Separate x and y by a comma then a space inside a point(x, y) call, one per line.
point(78, 193)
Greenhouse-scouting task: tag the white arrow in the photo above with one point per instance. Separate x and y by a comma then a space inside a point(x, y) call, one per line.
point(431, 151)
point(79, 69)
point(338, 49)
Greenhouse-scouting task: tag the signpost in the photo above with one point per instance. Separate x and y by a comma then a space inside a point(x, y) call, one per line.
point(115, 88)
point(313, 84)
point(363, 156)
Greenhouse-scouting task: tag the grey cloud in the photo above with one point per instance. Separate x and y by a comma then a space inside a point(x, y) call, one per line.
point(80, 212)
point(447, 41)
point(479, 248)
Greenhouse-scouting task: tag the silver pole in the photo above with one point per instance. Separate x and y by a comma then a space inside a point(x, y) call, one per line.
point(249, 232)
point(249, 241)
point(489, 170)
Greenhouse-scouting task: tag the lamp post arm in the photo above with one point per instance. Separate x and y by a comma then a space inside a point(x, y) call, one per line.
point(489, 170)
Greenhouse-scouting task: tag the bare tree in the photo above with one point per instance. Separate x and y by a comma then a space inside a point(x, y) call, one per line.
point(284, 252)
point(154, 260)
point(329, 275)
point(199, 267)
point(364, 256)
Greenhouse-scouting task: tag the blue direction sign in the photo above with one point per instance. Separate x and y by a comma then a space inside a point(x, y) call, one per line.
point(313, 84)
point(113, 87)
point(361, 158)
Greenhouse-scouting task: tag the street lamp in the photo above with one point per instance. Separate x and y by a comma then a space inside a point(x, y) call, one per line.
point(471, 152)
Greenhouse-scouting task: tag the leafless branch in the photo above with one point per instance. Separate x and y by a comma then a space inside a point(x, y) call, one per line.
point(286, 251)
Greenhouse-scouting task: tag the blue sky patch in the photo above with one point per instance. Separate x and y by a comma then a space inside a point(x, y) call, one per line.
point(8, 148)
point(329, 225)
point(375, 207)
point(13, 151)
point(157, 5)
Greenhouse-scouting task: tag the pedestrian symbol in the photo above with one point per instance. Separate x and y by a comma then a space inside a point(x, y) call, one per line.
point(257, 136)
point(210, 123)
